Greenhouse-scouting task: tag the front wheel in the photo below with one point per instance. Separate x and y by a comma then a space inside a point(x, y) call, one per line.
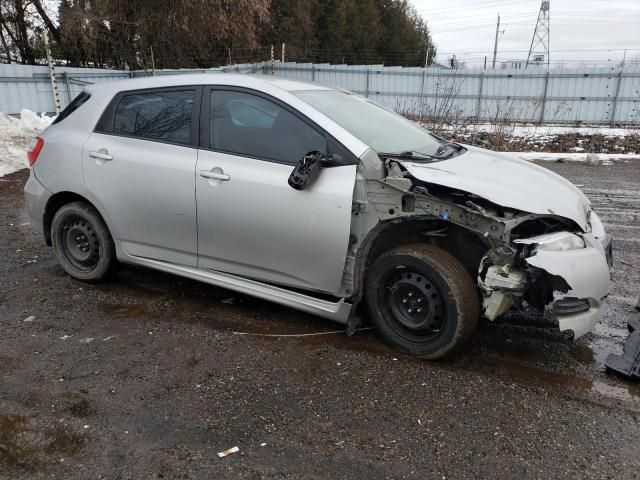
point(82, 242)
point(422, 301)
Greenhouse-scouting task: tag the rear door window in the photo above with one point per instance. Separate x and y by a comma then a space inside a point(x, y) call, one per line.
point(253, 126)
point(163, 116)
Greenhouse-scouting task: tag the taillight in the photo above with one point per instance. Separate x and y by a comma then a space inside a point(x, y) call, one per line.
point(34, 146)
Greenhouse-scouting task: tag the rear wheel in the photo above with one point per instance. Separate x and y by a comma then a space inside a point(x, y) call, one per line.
point(422, 301)
point(82, 242)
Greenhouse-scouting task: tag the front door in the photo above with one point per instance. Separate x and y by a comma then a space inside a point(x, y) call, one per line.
point(250, 221)
point(139, 166)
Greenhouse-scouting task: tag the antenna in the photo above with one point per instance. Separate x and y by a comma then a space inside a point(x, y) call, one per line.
point(539, 50)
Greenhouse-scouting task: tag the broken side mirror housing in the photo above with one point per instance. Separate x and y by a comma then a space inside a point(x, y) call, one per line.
point(307, 169)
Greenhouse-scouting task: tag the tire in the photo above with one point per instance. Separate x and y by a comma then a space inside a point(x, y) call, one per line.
point(422, 301)
point(82, 242)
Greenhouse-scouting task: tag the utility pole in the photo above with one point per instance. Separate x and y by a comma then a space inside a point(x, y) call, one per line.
point(229, 53)
point(273, 61)
point(153, 64)
point(282, 54)
point(495, 45)
point(539, 48)
point(52, 74)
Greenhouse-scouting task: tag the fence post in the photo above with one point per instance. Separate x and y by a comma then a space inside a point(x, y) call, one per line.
point(367, 91)
point(424, 75)
point(66, 81)
point(313, 72)
point(479, 105)
point(544, 98)
point(612, 121)
point(52, 74)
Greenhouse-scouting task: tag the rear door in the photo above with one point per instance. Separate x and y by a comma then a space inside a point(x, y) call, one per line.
point(139, 165)
point(250, 221)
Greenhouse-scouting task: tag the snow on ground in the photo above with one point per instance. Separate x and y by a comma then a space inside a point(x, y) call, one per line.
point(14, 134)
point(588, 158)
point(547, 130)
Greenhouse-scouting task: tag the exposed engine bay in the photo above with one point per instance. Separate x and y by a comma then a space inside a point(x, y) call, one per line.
point(527, 261)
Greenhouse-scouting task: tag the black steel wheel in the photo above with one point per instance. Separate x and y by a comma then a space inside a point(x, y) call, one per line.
point(82, 242)
point(422, 301)
point(414, 301)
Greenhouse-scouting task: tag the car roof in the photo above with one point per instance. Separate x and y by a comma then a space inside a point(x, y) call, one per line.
point(259, 82)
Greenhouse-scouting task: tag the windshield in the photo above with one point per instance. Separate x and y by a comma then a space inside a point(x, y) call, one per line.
point(381, 129)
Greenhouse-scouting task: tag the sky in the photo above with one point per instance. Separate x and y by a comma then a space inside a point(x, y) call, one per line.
point(582, 31)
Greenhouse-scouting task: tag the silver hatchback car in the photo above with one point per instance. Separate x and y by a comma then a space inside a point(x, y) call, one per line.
point(317, 199)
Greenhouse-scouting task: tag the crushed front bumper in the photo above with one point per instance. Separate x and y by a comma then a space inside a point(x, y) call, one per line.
point(586, 271)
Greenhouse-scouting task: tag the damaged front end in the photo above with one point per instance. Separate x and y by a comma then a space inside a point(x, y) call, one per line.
point(564, 273)
point(532, 260)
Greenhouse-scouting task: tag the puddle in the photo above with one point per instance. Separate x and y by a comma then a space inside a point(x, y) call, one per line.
point(596, 351)
point(583, 354)
point(27, 446)
point(614, 391)
point(122, 312)
point(526, 375)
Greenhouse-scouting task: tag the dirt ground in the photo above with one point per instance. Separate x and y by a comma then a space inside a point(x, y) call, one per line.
point(150, 375)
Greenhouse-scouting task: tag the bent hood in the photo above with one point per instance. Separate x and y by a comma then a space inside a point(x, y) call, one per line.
point(507, 182)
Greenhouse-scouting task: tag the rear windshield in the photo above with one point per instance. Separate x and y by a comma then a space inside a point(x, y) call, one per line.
point(73, 106)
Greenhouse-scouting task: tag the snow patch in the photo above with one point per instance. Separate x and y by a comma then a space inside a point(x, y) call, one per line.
point(14, 134)
point(589, 158)
point(546, 131)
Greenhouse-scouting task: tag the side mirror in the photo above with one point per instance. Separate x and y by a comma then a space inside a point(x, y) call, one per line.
point(307, 170)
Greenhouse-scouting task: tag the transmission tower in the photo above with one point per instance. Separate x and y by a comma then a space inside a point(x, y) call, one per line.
point(539, 50)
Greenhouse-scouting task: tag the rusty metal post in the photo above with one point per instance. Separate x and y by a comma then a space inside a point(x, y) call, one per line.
point(52, 75)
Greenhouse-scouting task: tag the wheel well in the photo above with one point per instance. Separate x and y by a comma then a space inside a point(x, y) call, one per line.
point(465, 245)
point(53, 205)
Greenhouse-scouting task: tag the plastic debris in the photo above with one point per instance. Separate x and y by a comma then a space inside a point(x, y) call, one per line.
point(228, 452)
point(628, 364)
point(229, 301)
point(30, 318)
point(86, 340)
point(64, 337)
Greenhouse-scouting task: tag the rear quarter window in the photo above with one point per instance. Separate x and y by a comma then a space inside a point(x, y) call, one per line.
point(72, 107)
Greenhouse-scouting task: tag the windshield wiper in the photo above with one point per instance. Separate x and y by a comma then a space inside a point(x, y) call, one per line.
point(448, 147)
point(408, 155)
point(444, 151)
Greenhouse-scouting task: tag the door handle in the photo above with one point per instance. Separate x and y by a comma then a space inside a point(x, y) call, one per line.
point(214, 175)
point(101, 155)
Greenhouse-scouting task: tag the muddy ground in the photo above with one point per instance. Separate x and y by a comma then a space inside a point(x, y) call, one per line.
point(147, 376)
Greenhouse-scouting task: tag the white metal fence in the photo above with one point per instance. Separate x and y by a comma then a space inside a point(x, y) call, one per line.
point(568, 96)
